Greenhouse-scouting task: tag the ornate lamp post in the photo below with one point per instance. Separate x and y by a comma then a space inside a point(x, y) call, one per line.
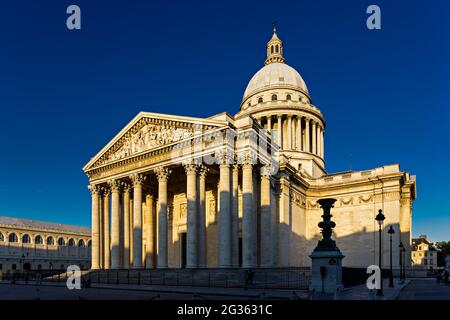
point(404, 262)
point(327, 226)
point(380, 219)
point(391, 276)
point(326, 265)
point(400, 246)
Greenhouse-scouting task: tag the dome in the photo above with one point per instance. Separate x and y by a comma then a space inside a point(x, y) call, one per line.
point(275, 75)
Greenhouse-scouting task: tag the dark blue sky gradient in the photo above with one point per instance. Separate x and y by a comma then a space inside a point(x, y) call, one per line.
point(64, 94)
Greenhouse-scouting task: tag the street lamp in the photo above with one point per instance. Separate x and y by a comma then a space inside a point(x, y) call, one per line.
point(400, 246)
point(404, 263)
point(391, 276)
point(380, 219)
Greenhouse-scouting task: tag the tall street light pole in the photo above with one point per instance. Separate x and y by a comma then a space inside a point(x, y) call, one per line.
point(391, 276)
point(404, 263)
point(380, 219)
point(400, 246)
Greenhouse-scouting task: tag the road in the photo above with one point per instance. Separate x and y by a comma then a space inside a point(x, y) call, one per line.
point(425, 289)
point(32, 292)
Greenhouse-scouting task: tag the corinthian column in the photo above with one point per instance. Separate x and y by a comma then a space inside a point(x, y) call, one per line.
point(299, 133)
point(203, 170)
point(308, 140)
point(224, 214)
point(126, 226)
point(289, 133)
point(163, 177)
point(248, 220)
point(138, 180)
point(115, 224)
point(149, 228)
point(280, 132)
point(95, 248)
point(318, 139)
point(266, 240)
point(314, 138)
point(191, 198)
point(106, 229)
point(235, 217)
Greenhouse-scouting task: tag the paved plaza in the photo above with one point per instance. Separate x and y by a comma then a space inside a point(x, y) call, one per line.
point(413, 289)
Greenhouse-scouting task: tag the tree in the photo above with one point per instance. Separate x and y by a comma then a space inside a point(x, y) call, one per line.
point(444, 250)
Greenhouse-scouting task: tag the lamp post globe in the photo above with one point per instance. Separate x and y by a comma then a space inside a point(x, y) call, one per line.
point(380, 219)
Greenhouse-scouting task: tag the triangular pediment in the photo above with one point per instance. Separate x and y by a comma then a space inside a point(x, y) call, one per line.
point(149, 131)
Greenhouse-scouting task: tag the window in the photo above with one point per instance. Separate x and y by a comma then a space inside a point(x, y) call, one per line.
point(39, 267)
point(260, 100)
point(2, 238)
point(89, 243)
point(81, 243)
point(431, 254)
point(26, 239)
point(13, 266)
point(288, 97)
point(50, 241)
point(12, 238)
point(271, 49)
point(274, 97)
point(71, 243)
point(38, 239)
point(62, 267)
point(276, 48)
point(249, 104)
point(61, 242)
point(1, 266)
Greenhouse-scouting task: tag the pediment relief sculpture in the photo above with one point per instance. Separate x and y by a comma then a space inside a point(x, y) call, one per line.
point(149, 137)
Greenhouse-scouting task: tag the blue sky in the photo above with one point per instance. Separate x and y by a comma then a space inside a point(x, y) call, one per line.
point(64, 94)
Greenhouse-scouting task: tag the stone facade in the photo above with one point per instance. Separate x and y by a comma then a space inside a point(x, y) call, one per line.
point(424, 253)
point(36, 245)
point(242, 190)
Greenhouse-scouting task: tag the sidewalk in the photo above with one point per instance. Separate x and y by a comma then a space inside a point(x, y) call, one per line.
point(257, 294)
point(363, 293)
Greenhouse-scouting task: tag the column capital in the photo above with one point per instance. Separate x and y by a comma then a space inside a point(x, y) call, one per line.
point(224, 157)
point(203, 170)
point(137, 179)
point(126, 187)
point(94, 189)
point(162, 173)
point(105, 189)
point(191, 168)
point(114, 185)
point(247, 158)
point(266, 170)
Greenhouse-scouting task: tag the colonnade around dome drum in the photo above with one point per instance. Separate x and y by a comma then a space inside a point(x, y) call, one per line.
point(299, 133)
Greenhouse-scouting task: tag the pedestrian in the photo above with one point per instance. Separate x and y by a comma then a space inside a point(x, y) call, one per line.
point(38, 279)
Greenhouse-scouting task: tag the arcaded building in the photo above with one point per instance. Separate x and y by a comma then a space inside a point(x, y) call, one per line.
point(239, 190)
point(37, 245)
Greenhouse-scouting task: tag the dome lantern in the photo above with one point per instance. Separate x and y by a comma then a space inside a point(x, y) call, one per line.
point(274, 48)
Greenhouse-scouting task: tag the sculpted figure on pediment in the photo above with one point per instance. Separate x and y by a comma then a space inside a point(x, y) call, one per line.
point(148, 137)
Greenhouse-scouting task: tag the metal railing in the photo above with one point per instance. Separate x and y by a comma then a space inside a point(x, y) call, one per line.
point(292, 278)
